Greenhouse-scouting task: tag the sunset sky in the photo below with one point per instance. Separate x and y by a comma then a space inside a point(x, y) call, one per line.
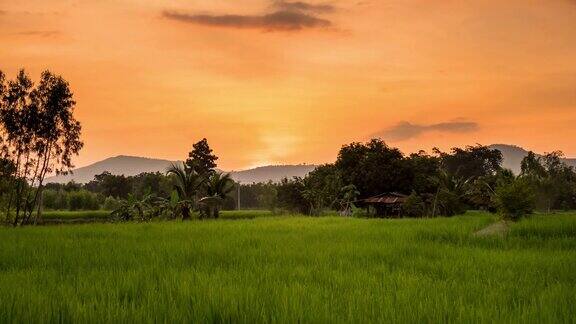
point(278, 82)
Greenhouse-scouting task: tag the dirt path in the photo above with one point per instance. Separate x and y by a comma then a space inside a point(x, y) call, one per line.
point(499, 229)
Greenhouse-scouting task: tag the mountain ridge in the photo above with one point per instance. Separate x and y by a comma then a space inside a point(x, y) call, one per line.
point(133, 165)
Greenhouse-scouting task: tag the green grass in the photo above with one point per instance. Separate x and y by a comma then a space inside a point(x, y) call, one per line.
point(291, 269)
point(80, 214)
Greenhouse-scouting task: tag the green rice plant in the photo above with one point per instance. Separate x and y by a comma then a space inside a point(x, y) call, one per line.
point(291, 269)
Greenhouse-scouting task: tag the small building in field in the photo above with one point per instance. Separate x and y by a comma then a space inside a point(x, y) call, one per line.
point(384, 205)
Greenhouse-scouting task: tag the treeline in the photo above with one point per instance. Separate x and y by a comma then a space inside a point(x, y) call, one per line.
point(440, 183)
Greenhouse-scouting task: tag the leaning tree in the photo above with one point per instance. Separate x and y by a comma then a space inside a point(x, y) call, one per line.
point(39, 136)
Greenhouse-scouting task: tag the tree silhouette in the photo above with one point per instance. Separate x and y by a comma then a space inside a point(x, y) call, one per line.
point(40, 136)
point(201, 159)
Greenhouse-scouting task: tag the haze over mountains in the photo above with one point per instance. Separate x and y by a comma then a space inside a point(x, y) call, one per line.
point(132, 165)
point(513, 156)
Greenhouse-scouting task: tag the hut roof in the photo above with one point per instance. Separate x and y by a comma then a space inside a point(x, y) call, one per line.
point(386, 198)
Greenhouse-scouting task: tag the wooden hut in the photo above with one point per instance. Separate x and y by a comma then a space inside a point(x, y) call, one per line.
point(385, 205)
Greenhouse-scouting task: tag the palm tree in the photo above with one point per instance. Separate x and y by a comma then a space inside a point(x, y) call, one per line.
point(453, 189)
point(218, 186)
point(187, 183)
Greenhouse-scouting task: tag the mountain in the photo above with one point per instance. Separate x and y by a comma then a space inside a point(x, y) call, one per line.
point(132, 165)
point(274, 173)
point(513, 156)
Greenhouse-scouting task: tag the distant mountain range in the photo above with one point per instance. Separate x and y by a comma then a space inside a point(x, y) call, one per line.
point(133, 165)
point(513, 156)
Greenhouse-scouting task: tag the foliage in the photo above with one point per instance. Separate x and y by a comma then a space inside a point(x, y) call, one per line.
point(187, 182)
point(450, 193)
point(553, 182)
point(471, 162)
point(217, 188)
point(414, 206)
point(515, 199)
point(201, 159)
point(39, 136)
point(374, 168)
point(291, 195)
point(136, 209)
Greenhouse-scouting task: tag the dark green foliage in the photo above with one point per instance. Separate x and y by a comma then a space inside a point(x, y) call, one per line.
point(374, 168)
point(187, 183)
point(201, 159)
point(515, 199)
point(323, 188)
point(39, 136)
point(414, 206)
point(259, 196)
point(118, 186)
point(553, 182)
point(291, 195)
point(471, 162)
point(218, 187)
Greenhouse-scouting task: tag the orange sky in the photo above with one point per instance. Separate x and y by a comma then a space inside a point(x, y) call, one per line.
point(271, 81)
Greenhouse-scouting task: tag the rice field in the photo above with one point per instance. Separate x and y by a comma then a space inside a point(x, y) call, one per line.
point(291, 269)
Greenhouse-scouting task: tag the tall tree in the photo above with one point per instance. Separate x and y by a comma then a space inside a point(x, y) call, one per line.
point(201, 159)
point(41, 135)
point(218, 187)
point(187, 183)
point(374, 168)
point(471, 162)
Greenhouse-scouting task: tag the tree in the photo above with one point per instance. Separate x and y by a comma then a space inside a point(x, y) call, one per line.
point(217, 188)
point(187, 182)
point(40, 136)
point(201, 159)
point(451, 190)
point(471, 162)
point(291, 197)
point(322, 188)
point(348, 195)
point(374, 168)
point(117, 186)
point(515, 199)
point(551, 179)
point(414, 206)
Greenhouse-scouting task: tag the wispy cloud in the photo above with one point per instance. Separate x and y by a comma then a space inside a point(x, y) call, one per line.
point(277, 21)
point(284, 16)
point(406, 130)
point(304, 6)
point(39, 33)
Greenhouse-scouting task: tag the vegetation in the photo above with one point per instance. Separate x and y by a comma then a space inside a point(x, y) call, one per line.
point(38, 136)
point(291, 269)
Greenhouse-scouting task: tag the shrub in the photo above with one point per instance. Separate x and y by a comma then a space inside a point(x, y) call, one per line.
point(414, 206)
point(515, 199)
point(111, 203)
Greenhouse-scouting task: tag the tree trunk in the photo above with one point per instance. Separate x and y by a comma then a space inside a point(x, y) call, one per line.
point(185, 213)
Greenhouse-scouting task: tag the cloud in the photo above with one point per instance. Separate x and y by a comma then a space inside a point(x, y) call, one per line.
point(304, 6)
point(285, 16)
point(406, 130)
point(39, 33)
point(283, 20)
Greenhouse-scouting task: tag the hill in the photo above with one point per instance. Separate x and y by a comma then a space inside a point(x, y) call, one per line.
point(513, 156)
point(132, 165)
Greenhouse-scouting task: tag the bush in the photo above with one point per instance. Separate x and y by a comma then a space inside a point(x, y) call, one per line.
point(111, 203)
point(414, 206)
point(515, 199)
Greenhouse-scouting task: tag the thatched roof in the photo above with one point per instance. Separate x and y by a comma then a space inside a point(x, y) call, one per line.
point(386, 199)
